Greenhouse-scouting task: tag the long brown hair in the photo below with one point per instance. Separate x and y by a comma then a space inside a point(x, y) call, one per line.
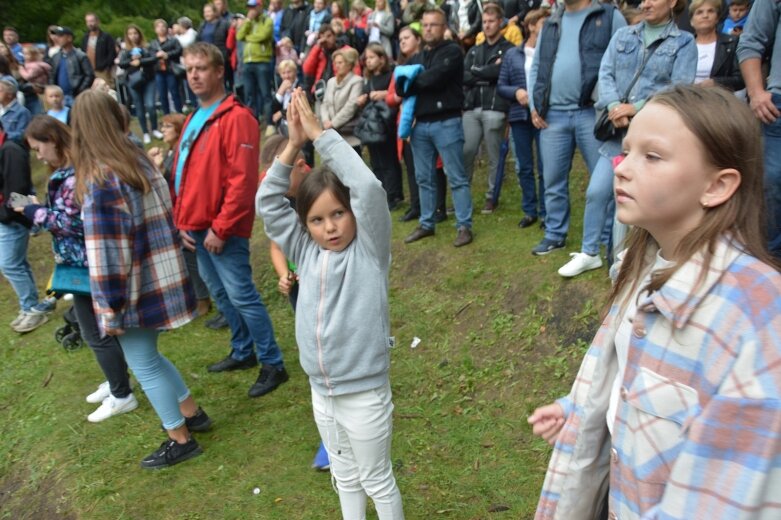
point(378, 50)
point(50, 130)
point(141, 39)
point(730, 138)
point(101, 145)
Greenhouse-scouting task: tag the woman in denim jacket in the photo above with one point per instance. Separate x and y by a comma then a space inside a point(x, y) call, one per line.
point(673, 62)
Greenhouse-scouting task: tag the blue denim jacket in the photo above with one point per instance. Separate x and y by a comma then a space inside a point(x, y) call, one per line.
point(15, 121)
point(673, 62)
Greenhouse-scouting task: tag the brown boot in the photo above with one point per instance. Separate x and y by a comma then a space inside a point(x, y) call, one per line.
point(204, 306)
point(463, 237)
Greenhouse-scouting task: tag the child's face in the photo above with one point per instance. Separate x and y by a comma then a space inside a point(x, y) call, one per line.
point(54, 99)
point(661, 181)
point(287, 74)
point(286, 43)
point(736, 12)
point(373, 62)
point(330, 224)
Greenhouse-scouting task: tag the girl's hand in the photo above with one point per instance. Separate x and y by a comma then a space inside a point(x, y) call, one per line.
point(276, 116)
point(297, 137)
point(362, 100)
point(378, 95)
point(308, 120)
point(522, 97)
point(547, 422)
point(287, 282)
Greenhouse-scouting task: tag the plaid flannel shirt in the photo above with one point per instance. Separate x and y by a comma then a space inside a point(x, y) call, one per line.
point(698, 427)
point(138, 276)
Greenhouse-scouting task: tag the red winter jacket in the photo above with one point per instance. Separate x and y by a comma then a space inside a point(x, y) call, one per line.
point(220, 177)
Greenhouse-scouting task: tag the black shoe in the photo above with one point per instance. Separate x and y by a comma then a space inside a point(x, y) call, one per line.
point(171, 452)
point(268, 380)
point(200, 422)
point(228, 364)
point(463, 237)
point(527, 221)
point(394, 204)
point(542, 224)
point(420, 232)
point(409, 215)
point(218, 322)
point(440, 216)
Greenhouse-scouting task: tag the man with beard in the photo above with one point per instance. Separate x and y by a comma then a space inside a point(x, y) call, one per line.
point(99, 47)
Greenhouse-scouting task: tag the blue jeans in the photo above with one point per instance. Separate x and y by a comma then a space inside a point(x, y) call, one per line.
point(166, 83)
point(524, 135)
point(144, 101)
point(161, 381)
point(600, 206)
point(772, 134)
point(14, 238)
point(566, 129)
point(446, 139)
point(257, 81)
point(229, 279)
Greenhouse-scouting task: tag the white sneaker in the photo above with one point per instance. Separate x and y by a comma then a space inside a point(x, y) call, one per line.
point(158, 134)
point(30, 321)
point(147, 139)
point(580, 263)
point(112, 406)
point(99, 395)
point(68, 297)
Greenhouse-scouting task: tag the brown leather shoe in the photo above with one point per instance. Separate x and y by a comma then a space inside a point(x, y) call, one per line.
point(420, 232)
point(463, 237)
point(204, 306)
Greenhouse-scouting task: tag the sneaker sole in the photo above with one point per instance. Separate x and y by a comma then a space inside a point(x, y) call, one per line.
point(543, 253)
point(573, 275)
point(188, 456)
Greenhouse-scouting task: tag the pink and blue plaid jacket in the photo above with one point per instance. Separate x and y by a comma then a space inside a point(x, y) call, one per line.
point(138, 276)
point(698, 426)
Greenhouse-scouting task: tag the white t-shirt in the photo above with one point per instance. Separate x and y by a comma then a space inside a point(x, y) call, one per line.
point(527, 65)
point(706, 53)
point(623, 335)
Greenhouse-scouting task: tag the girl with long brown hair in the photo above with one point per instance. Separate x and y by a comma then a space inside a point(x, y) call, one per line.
point(674, 409)
point(138, 277)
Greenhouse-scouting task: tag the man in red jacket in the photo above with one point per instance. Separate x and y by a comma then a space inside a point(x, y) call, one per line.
point(215, 180)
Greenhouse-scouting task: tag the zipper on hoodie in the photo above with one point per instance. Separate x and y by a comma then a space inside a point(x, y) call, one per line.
point(319, 322)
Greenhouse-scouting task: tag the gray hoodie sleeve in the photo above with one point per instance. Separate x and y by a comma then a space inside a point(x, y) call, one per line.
point(367, 197)
point(760, 30)
point(279, 219)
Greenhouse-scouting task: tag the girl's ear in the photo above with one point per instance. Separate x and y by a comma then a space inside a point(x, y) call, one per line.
point(724, 184)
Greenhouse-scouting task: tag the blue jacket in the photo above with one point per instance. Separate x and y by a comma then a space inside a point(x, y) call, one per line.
point(404, 75)
point(673, 62)
point(15, 121)
point(594, 39)
point(512, 76)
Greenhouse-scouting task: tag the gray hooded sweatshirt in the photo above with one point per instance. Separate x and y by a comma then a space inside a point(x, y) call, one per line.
point(342, 319)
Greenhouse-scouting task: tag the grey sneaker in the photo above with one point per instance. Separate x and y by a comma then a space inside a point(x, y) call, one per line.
point(547, 245)
point(17, 320)
point(30, 321)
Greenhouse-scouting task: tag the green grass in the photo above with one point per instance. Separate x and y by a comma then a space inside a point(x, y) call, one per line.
point(501, 333)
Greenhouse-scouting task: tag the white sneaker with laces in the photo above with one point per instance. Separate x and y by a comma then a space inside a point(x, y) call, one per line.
point(580, 263)
point(99, 395)
point(158, 134)
point(147, 139)
point(30, 321)
point(112, 406)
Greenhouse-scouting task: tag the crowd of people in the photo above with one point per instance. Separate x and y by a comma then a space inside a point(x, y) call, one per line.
point(673, 105)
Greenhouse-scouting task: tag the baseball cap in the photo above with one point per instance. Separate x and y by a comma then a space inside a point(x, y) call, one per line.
point(60, 31)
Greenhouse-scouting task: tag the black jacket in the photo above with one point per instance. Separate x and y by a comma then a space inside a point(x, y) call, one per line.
point(14, 176)
point(170, 46)
point(726, 71)
point(80, 73)
point(439, 87)
point(105, 50)
point(148, 63)
point(481, 73)
point(295, 22)
point(220, 36)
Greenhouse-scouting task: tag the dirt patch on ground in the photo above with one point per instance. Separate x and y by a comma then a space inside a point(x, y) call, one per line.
point(44, 500)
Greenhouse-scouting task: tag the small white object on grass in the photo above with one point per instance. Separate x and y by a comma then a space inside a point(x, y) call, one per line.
point(415, 342)
point(256, 491)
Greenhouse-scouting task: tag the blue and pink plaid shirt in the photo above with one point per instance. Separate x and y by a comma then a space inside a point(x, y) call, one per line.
point(698, 427)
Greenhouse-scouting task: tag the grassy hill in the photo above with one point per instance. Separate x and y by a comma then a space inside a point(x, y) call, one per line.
point(501, 333)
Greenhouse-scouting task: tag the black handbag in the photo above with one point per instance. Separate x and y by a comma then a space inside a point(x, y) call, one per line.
point(374, 123)
point(604, 129)
point(70, 279)
point(178, 70)
point(135, 80)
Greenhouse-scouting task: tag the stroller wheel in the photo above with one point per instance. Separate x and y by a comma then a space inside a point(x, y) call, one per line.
point(72, 341)
point(61, 332)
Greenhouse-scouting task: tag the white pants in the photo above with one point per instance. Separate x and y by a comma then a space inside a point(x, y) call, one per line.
point(356, 430)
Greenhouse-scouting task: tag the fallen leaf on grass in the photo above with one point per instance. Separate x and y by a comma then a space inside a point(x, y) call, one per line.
point(498, 508)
